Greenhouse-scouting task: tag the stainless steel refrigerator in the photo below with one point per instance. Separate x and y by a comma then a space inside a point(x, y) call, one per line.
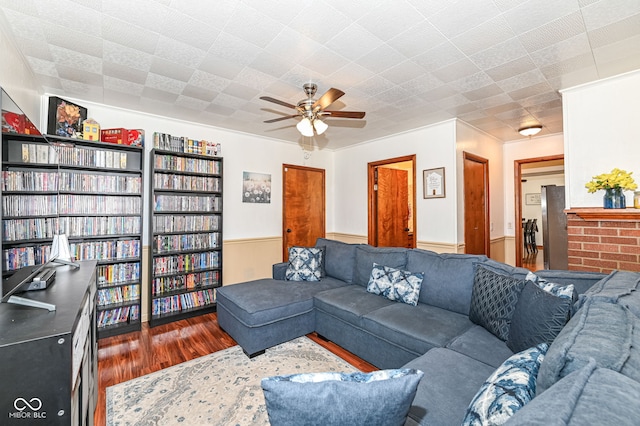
point(554, 227)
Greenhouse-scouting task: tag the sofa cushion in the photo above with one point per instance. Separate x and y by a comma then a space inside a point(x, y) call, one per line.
point(605, 332)
point(264, 301)
point(450, 381)
point(493, 300)
point(448, 278)
point(379, 398)
point(305, 264)
point(539, 317)
point(481, 345)
point(588, 396)
point(418, 328)
point(340, 259)
point(507, 390)
point(395, 284)
point(618, 287)
point(367, 255)
point(349, 303)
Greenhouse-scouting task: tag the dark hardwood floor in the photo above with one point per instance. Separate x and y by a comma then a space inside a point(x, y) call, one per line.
point(533, 261)
point(125, 357)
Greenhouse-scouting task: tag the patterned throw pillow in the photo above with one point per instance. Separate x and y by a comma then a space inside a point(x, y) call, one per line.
point(493, 301)
point(395, 284)
point(305, 264)
point(378, 398)
point(538, 318)
point(507, 390)
point(567, 291)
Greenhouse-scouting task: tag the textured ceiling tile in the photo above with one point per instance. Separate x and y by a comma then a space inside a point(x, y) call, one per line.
point(165, 84)
point(187, 29)
point(533, 102)
point(75, 88)
point(241, 91)
point(375, 85)
point(268, 63)
point(85, 20)
point(562, 51)
point(390, 18)
point(159, 95)
point(199, 93)
point(121, 55)
point(74, 40)
point(234, 50)
point(50, 83)
point(320, 27)
point(553, 32)
point(499, 54)
point(27, 7)
point(462, 15)
point(577, 63)
point(179, 52)
point(24, 26)
point(216, 16)
point(393, 95)
point(250, 25)
point(471, 82)
point(618, 58)
point(477, 94)
point(520, 81)
point(532, 14)
point(34, 48)
point(41, 66)
point(171, 69)
point(126, 34)
point(122, 86)
point(402, 72)
point(484, 36)
point(80, 61)
point(415, 40)
point(456, 71)
point(354, 9)
point(511, 68)
point(438, 93)
point(529, 91)
point(439, 57)
point(292, 45)
point(124, 72)
point(192, 103)
point(209, 81)
point(221, 67)
point(353, 42)
point(608, 12)
point(230, 101)
point(324, 61)
point(421, 84)
point(299, 75)
point(254, 79)
point(143, 13)
point(613, 33)
point(220, 109)
point(381, 58)
point(502, 108)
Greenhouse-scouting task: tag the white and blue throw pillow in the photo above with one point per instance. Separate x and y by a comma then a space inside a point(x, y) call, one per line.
point(395, 284)
point(378, 398)
point(305, 264)
point(557, 290)
point(508, 389)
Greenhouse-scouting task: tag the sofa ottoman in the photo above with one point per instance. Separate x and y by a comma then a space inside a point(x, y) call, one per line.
point(266, 312)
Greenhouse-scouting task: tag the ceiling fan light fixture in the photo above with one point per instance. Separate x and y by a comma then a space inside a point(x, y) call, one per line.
point(530, 130)
point(305, 127)
point(320, 126)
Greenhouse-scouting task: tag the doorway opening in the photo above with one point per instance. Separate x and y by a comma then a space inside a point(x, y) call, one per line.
point(392, 202)
point(530, 175)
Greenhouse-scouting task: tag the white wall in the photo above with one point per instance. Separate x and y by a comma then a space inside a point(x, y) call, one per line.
point(473, 141)
point(241, 152)
point(17, 79)
point(434, 146)
point(600, 132)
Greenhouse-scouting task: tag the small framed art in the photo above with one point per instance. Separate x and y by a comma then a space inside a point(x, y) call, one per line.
point(433, 183)
point(65, 118)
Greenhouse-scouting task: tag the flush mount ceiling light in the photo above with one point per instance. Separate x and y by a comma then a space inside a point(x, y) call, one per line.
point(530, 130)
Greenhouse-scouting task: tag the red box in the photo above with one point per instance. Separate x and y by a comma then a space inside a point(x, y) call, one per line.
point(119, 136)
point(135, 137)
point(12, 122)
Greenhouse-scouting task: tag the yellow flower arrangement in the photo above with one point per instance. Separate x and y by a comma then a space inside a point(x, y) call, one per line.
point(616, 179)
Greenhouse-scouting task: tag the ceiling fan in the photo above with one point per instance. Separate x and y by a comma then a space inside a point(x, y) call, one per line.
point(312, 111)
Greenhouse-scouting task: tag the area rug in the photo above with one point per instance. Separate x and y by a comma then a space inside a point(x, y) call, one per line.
point(222, 388)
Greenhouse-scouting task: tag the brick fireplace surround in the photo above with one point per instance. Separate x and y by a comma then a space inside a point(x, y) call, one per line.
point(602, 240)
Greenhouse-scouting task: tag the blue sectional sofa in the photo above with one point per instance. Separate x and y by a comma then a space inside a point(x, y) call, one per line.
point(446, 334)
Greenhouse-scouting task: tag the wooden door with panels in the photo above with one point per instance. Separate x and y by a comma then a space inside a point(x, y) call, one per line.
point(303, 207)
point(476, 204)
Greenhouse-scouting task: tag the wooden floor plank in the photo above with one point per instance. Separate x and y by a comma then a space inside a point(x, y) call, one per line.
point(131, 355)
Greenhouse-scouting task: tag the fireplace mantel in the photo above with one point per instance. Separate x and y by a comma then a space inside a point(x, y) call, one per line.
point(599, 214)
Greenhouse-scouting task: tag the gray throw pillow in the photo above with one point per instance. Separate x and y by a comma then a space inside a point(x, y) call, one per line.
point(538, 318)
point(379, 398)
point(493, 301)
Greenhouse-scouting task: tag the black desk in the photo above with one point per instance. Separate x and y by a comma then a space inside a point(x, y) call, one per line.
point(48, 360)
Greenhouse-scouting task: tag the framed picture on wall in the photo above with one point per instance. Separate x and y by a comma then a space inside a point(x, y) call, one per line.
point(532, 199)
point(65, 118)
point(433, 183)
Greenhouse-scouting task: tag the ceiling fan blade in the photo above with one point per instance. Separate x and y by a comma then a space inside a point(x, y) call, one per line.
point(344, 114)
point(273, 120)
point(328, 98)
point(277, 101)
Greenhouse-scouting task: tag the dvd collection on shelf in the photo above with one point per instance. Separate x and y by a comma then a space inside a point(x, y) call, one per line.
point(91, 192)
point(186, 218)
point(167, 142)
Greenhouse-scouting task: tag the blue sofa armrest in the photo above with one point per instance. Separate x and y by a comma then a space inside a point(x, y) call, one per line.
point(278, 270)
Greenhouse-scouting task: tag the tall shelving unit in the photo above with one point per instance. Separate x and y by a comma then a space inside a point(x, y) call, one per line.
point(91, 192)
point(186, 234)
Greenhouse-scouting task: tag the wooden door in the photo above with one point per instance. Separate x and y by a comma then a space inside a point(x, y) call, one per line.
point(392, 200)
point(476, 204)
point(303, 207)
